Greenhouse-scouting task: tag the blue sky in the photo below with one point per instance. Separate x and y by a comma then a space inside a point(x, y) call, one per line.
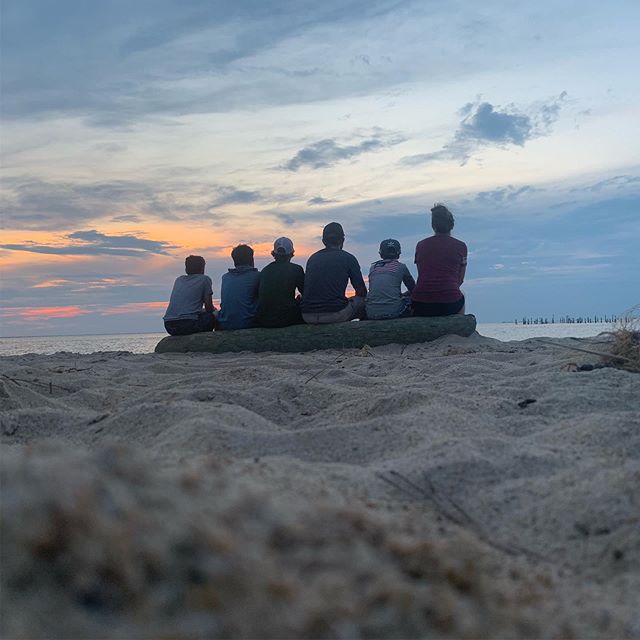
point(135, 133)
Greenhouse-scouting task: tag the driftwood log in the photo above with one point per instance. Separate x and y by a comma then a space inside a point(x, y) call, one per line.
point(304, 337)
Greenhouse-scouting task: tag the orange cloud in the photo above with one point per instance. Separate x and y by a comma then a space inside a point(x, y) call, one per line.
point(134, 307)
point(42, 313)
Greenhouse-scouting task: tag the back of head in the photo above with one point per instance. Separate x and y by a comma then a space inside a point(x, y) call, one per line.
point(333, 235)
point(441, 219)
point(282, 249)
point(194, 264)
point(390, 249)
point(242, 256)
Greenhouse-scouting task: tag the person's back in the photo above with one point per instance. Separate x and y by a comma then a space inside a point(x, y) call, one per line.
point(327, 274)
point(238, 291)
point(441, 261)
point(386, 276)
point(277, 306)
point(190, 293)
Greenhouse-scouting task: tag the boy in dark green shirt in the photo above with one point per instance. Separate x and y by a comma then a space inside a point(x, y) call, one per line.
point(277, 305)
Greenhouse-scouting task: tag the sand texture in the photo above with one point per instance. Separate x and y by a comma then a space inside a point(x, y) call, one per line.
point(459, 488)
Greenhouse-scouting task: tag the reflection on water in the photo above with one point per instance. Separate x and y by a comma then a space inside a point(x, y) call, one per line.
point(145, 342)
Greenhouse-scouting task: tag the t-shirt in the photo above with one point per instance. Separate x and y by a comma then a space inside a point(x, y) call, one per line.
point(440, 259)
point(187, 297)
point(384, 299)
point(327, 274)
point(238, 297)
point(277, 306)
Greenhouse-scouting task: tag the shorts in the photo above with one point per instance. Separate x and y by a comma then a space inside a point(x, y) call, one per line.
point(205, 322)
point(354, 309)
point(433, 309)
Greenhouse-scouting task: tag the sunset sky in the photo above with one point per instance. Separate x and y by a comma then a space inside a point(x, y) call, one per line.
point(137, 132)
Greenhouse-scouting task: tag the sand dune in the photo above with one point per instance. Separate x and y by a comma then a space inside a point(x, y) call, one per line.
point(253, 496)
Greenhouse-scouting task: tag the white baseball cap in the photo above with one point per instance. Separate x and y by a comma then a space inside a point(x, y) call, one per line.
point(283, 247)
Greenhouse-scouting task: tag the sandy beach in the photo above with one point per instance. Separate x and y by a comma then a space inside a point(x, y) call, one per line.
point(461, 488)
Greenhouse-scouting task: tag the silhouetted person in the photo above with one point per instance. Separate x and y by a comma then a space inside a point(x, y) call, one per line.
point(277, 304)
point(442, 262)
point(239, 291)
point(327, 274)
point(386, 277)
point(190, 307)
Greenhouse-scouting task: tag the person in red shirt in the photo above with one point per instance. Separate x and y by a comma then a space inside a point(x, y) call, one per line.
point(442, 262)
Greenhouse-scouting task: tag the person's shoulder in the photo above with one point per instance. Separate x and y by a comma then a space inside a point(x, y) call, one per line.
point(348, 256)
point(459, 243)
point(296, 267)
point(316, 255)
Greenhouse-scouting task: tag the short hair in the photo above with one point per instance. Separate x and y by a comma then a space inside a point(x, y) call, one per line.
point(194, 264)
point(332, 234)
point(242, 256)
point(442, 220)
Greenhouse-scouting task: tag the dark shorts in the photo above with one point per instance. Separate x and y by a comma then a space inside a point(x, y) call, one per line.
point(432, 309)
point(204, 322)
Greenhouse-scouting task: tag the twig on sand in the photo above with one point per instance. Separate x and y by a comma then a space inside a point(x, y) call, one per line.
point(458, 515)
point(594, 353)
point(47, 385)
point(315, 375)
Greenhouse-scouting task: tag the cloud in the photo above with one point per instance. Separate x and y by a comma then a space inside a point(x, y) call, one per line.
point(134, 307)
point(484, 124)
point(32, 203)
point(616, 182)
point(94, 243)
point(40, 313)
point(326, 153)
point(227, 195)
point(319, 200)
point(503, 195)
point(231, 195)
point(129, 61)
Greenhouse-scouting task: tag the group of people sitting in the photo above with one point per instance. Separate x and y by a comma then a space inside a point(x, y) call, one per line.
point(284, 294)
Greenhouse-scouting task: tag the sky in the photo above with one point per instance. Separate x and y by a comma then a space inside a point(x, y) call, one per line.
point(136, 133)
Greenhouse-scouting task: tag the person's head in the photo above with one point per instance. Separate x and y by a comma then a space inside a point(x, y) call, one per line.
point(194, 264)
point(390, 249)
point(441, 219)
point(282, 250)
point(242, 256)
point(333, 235)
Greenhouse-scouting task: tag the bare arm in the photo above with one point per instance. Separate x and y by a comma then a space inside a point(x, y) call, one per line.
point(463, 270)
point(408, 280)
point(357, 280)
point(208, 304)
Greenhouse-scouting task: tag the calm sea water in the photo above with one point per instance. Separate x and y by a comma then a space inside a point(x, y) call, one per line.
point(145, 342)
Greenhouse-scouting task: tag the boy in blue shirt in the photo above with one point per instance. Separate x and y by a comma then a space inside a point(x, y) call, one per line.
point(239, 291)
point(192, 292)
point(385, 299)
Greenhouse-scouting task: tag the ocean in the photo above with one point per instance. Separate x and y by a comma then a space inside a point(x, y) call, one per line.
point(145, 342)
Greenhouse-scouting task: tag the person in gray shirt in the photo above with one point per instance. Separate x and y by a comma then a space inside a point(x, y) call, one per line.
point(192, 292)
point(385, 299)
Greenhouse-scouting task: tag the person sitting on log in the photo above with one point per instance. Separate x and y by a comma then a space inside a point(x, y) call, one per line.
point(385, 299)
point(239, 291)
point(442, 263)
point(191, 292)
point(277, 304)
point(327, 274)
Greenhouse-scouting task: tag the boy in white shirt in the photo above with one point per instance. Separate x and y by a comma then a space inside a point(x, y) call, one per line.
point(192, 292)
